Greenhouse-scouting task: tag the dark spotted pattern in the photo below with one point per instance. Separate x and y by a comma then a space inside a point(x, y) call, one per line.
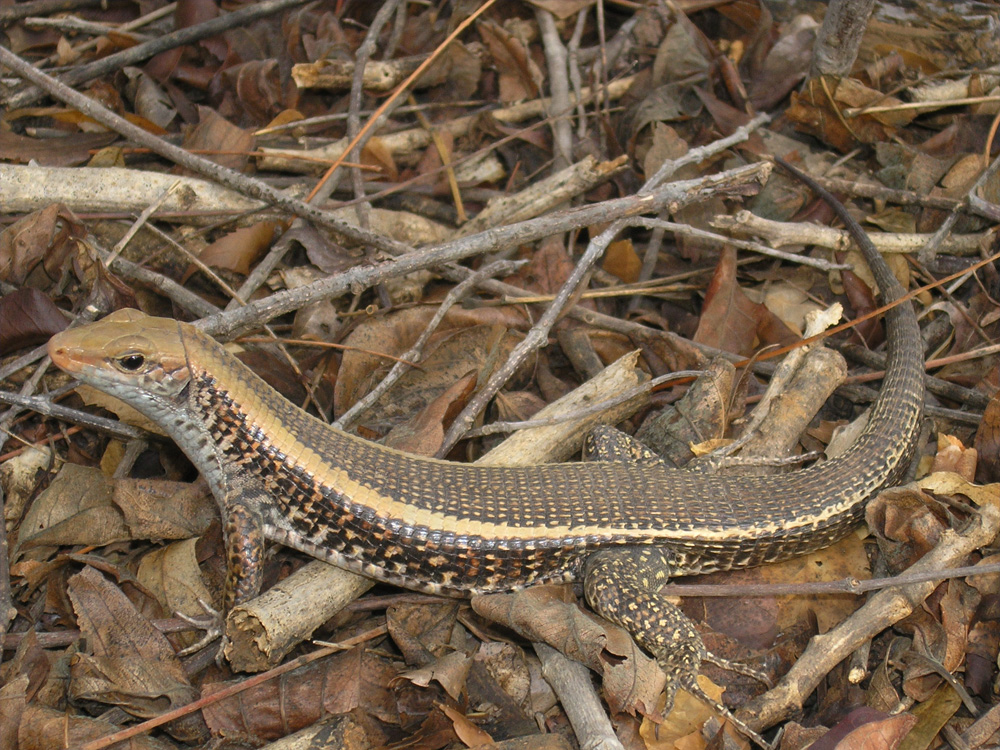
point(710, 522)
point(325, 522)
point(244, 534)
point(601, 505)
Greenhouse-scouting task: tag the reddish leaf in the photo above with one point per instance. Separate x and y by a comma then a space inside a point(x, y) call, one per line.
point(422, 434)
point(334, 685)
point(259, 89)
point(988, 442)
point(730, 320)
point(520, 77)
point(238, 250)
point(28, 318)
point(222, 142)
point(188, 13)
point(725, 116)
point(48, 237)
point(549, 268)
point(785, 66)
point(866, 729)
point(133, 665)
point(67, 151)
point(863, 301)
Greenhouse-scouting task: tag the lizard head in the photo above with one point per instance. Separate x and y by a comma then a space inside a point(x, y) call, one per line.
point(138, 358)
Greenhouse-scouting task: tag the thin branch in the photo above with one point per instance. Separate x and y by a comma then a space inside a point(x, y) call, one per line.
point(241, 183)
point(537, 336)
point(145, 51)
point(233, 322)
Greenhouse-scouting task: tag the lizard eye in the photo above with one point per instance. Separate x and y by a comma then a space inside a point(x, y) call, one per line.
point(131, 362)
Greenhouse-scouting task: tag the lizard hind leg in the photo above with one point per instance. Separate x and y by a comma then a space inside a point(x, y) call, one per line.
point(622, 585)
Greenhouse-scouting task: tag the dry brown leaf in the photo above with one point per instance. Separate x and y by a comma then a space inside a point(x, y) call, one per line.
point(562, 9)
point(987, 442)
point(460, 345)
point(665, 143)
point(862, 300)
point(422, 631)
point(43, 727)
point(786, 64)
point(909, 520)
point(908, 523)
point(13, 704)
point(548, 269)
point(66, 151)
point(337, 684)
point(731, 321)
point(423, 433)
point(866, 729)
point(818, 109)
point(514, 406)
point(28, 318)
point(632, 681)
point(159, 509)
point(520, 76)
point(131, 664)
point(756, 621)
point(238, 250)
point(220, 141)
point(284, 118)
point(45, 240)
point(260, 89)
point(958, 607)
point(83, 506)
point(953, 456)
point(621, 260)
point(467, 732)
point(76, 508)
point(681, 728)
point(727, 117)
point(149, 98)
point(172, 575)
point(789, 302)
point(456, 72)
point(188, 13)
point(375, 153)
point(981, 659)
point(450, 672)
point(670, 102)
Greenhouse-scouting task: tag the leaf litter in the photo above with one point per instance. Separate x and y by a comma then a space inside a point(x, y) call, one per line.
point(109, 540)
